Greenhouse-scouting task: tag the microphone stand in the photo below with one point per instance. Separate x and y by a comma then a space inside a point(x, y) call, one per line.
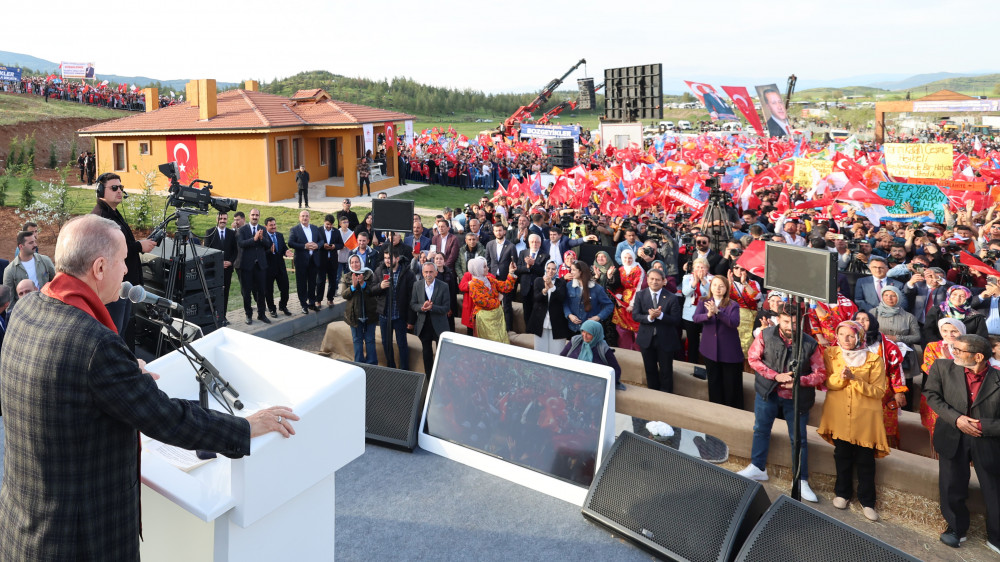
point(207, 375)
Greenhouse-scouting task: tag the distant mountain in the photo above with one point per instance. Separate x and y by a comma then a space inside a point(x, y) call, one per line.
point(917, 81)
point(8, 58)
point(981, 85)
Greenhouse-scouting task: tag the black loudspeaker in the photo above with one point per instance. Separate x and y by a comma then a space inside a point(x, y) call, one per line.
point(587, 98)
point(587, 252)
point(793, 531)
point(394, 215)
point(156, 267)
point(394, 399)
point(673, 505)
point(633, 92)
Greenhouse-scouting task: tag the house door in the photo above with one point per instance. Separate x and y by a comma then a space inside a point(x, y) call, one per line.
point(332, 160)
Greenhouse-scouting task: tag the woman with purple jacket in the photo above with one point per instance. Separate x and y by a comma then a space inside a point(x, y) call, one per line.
point(720, 344)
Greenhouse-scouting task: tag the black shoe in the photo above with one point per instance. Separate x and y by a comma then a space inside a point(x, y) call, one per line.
point(950, 537)
point(305, 309)
point(263, 319)
point(620, 386)
point(700, 373)
point(315, 307)
point(249, 319)
point(274, 314)
point(285, 310)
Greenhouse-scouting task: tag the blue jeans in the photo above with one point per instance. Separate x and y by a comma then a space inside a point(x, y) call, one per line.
point(364, 343)
point(399, 327)
point(764, 411)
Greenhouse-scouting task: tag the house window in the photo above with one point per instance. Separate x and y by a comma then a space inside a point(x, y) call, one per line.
point(324, 151)
point(144, 148)
point(281, 153)
point(296, 153)
point(121, 163)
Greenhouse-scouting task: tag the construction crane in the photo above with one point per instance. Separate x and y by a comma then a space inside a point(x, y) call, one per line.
point(524, 112)
point(550, 114)
point(788, 91)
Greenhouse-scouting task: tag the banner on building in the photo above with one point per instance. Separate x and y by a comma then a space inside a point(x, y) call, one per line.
point(390, 135)
point(183, 149)
point(369, 134)
point(10, 74)
point(955, 106)
point(83, 70)
point(919, 160)
point(551, 132)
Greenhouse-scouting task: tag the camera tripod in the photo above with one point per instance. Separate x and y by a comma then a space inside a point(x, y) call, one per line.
point(178, 265)
point(715, 221)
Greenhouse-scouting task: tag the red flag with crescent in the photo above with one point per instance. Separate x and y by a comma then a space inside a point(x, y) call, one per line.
point(851, 169)
point(741, 99)
point(183, 149)
point(390, 134)
point(699, 89)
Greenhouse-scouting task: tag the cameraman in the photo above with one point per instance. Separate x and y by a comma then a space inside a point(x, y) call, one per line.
point(647, 254)
point(732, 253)
point(110, 194)
point(605, 233)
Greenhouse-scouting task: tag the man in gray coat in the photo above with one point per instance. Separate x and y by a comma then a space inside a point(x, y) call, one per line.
point(430, 302)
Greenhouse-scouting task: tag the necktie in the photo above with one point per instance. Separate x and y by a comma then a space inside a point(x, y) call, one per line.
point(878, 288)
point(253, 230)
point(274, 240)
point(222, 233)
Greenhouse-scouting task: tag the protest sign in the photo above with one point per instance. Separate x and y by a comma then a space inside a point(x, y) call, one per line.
point(77, 70)
point(10, 74)
point(921, 197)
point(951, 184)
point(803, 175)
point(919, 160)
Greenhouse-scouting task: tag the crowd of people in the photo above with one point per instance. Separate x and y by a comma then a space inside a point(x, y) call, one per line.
point(102, 94)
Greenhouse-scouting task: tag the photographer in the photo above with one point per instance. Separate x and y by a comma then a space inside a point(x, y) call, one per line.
point(648, 253)
point(110, 194)
point(987, 303)
point(732, 252)
point(605, 233)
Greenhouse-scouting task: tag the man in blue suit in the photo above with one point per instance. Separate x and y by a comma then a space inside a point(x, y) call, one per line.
point(418, 240)
point(304, 239)
point(868, 290)
point(557, 244)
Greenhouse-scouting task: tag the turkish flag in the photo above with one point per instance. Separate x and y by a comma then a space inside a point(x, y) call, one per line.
point(752, 258)
point(699, 90)
point(183, 149)
point(975, 263)
point(741, 99)
point(851, 169)
point(855, 191)
point(390, 134)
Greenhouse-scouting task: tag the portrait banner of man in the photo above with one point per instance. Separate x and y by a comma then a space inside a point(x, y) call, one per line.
point(773, 108)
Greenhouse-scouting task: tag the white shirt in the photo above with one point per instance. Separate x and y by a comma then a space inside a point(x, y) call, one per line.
point(656, 299)
point(29, 266)
point(429, 289)
point(222, 233)
point(309, 235)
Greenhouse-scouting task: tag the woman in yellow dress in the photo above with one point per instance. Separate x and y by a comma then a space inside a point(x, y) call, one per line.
point(484, 290)
point(852, 415)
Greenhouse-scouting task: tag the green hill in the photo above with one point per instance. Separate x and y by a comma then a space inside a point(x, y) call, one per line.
point(985, 85)
point(837, 93)
point(26, 108)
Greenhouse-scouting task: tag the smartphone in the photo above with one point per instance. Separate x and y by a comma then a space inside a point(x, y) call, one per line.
point(385, 277)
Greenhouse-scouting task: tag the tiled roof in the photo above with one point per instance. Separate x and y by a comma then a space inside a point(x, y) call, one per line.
point(309, 94)
point(242, 109)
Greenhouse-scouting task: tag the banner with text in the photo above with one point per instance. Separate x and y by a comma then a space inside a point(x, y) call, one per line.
point(408, 130)
point(952, 184)
point(956, 105)
point(919, 160)
point(804, 168)
point(920, 197)
point(551, 132)
point(368, 130)
point(10, 74)
point(77, 70)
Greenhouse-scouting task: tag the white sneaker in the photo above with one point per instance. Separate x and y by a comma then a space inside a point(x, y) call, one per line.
point(754, 473)
point(807, 492)
point(990, 546)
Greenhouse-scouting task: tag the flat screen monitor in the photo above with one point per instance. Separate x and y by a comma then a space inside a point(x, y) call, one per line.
point(541, 420)
point(806, 272)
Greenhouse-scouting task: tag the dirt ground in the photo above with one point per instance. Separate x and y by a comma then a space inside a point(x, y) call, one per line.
point(59, 131)
point(10, 224)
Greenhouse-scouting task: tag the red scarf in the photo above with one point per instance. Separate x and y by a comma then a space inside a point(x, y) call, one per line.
point(70, 290)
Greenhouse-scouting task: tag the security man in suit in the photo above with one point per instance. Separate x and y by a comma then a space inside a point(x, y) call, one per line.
point(530, 266)
point(304, 238)
point(500, 253)
point(965, 394)
point(429, 301)
point(253, 266)
point(224, 239)
point(658, 313)
point(276, 253)
point(868, 290)
point(331, 242)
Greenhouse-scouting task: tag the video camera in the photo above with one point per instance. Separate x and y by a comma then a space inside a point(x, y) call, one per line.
point(716, 195)
point(191, 198)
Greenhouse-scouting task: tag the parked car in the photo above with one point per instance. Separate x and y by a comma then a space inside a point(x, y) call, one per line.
point(684, 125)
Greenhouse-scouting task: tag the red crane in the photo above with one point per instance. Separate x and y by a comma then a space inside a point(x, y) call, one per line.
point(524, 112)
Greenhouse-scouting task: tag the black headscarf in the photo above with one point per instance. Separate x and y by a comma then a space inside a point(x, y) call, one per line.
point(873, 335)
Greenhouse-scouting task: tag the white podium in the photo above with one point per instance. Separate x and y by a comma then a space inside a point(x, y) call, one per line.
point(278, 502)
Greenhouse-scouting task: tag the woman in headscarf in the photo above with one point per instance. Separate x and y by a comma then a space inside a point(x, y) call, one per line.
point(901, 328)
point(950, 329)
point(892, 357)
point(852, 415)
point(548, 323)
point(357, 287)
point(585, 300)
point(745, 292)
point(590, 346)
point(603, 268)
point(629, 281)
point(955, 306)
point(484, 291)
point(569, 257)
point(720, 344)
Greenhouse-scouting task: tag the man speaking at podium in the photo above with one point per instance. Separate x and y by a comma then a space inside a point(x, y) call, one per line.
point(73, 399)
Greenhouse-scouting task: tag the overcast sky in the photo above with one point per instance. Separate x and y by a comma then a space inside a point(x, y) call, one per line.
point(513, 45)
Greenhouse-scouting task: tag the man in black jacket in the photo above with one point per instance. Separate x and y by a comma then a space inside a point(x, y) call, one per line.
point(304, 238)
point(110, 194)
point(276, 253)
point(331, 242)
point(401, 279)
point(224, 239)
point(302, 181)
point(253, 266)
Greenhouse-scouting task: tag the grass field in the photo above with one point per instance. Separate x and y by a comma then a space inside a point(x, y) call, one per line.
point(440, 196)
point(23, 109)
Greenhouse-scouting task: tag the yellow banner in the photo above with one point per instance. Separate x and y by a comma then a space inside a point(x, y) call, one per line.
point(919, 160)
point(804, 167)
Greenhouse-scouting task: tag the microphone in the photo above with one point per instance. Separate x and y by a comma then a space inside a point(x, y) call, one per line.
point(138, 295)
point(126, 287)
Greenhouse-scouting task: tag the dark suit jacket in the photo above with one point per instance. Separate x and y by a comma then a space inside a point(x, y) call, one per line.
point(276, 261)
point(551, 304)
point(500, 268)
point(666, 327)
point(253, 250)
point(297, 240)
point(438, 315)
point(328, 256)
point(228, 245)
point(948, 396)
point(526, 274)
point(564, 244)
point(451, 252)
point(867, 298)
point(425, 242)
point(70, 489)
point(917, 297)
point(775, 130)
